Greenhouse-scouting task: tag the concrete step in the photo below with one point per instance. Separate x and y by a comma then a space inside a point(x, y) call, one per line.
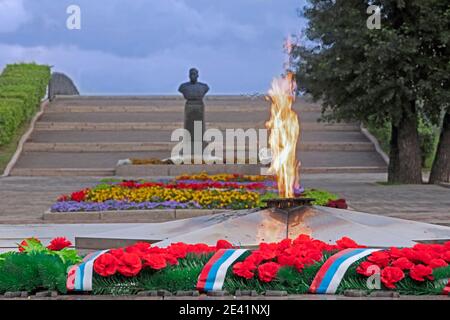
point(165, 135)
point(227, 100)
point(80, 172)
point(164, 116)
point(309, 159)
point(176, 108)
point(88, 135)
point(168, 146)
point(62, 172)
point(115, 126)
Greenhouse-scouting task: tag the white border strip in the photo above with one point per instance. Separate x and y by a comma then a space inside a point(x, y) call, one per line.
point(375, 143)
point(24, 138)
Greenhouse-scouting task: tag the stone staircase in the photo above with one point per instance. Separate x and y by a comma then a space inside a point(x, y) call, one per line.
point(88, 135)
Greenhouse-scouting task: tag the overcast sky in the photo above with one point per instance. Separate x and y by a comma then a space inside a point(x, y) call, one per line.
point(147, 46)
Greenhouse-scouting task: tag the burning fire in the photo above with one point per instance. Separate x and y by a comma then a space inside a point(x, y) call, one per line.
point(284, 133)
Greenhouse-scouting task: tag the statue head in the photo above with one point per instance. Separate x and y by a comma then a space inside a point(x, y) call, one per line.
point(193, 75)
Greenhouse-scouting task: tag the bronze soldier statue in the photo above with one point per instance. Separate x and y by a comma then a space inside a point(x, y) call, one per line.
point(194, 110)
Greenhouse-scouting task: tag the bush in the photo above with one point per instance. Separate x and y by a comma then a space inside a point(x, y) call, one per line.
point(10, 118)
point(22, 87)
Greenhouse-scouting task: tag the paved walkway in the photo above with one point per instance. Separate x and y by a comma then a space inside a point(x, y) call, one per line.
point(25, 199)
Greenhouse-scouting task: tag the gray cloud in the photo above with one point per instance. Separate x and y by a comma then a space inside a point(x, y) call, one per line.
point(12, 15)
point(146, 46)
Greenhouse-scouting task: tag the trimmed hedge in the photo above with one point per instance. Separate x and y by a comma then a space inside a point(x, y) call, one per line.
point(22, 87)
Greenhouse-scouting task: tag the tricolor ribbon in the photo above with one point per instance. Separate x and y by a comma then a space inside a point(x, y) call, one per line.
point(79, 277)
point(446, 290)
point(213, 274)
point(330, 275)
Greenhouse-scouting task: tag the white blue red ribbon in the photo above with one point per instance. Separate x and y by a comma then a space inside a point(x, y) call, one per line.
point(213, 274)
point(330, 275)
point(79, 277)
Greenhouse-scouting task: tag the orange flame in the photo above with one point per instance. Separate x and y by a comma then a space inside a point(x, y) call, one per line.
point(284, 130)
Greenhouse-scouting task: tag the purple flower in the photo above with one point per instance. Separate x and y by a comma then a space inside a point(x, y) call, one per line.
point(115, 205)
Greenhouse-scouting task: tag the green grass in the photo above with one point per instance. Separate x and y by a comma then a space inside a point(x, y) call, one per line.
point(321, 197)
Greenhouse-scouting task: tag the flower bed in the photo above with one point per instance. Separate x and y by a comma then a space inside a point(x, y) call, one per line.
point(201, 191)
point(296, 266)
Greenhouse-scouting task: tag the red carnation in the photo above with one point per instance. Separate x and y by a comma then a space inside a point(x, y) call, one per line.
point(143, 246)
point(367, 268)
point(170, 259)
point(59, 243)
point(25, 243)
point(380, 258)
point(130, 264)
point(287, 260)
point(303, 238)
point(139, 248)
point(223, 244)
point(446, 256)
point(421, 247)
point(117, 253)
point(268, 271)
point(420, 272)
point(391, 275)
point(155, 261)
point(284, 244)
point(299, 265)
point(244, 269)
point(396, 253)
point(312, 256)
point(345, 243)
point(199, 248)
point(268, 251)
point(438, 247)
point(156, 250)
point(423, 256)
point(403, 263)
point(106, 265)
point(178, 250)
point(255, 257)
point(437, 263)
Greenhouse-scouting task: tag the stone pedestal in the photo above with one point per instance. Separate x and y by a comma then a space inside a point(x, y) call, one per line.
point(194, 115)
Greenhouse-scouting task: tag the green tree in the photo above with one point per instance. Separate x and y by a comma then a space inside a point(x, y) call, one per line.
point(394, 74)
point(440, 172)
